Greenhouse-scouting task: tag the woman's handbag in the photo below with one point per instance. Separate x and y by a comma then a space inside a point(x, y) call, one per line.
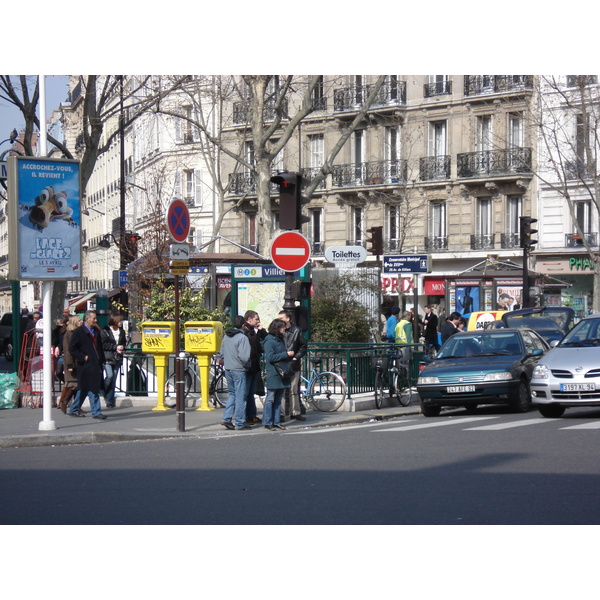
point(284, 369)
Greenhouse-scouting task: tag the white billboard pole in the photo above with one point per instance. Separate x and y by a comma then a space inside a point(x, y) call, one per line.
point(47, 424)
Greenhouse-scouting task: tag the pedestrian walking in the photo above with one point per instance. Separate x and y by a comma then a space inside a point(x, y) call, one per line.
point(113, 344)
point(69, 367)
point(450, 327)
point(404, 329)
point(86, 349)
point(275, 352)
point(235, 349)
point(390, 330)
point(431, 325)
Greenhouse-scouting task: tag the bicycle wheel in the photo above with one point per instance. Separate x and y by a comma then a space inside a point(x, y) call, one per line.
point(171, 392)
point(327, 391)
point(402, 389)
point(219, 390)
point(380, 385)
point(340, 368)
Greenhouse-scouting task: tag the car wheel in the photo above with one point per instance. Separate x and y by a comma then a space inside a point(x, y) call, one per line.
point(471, 408)
point(521, 402)
point(551, 411)
point(430, 410)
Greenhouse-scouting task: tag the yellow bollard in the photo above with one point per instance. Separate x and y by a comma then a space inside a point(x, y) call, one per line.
point(203, 338)
point(204, 368)
point(160, 362)
point(158, 339)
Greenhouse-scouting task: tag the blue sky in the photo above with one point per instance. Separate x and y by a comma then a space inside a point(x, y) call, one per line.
point(11, 117)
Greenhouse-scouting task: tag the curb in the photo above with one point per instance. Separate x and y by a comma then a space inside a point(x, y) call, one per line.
point(54, 439)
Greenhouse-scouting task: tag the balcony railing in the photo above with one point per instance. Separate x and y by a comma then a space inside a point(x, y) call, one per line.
point(436, 243)
point(494, 162)
point(392, 245)
point(437, 88)
point(354, 97)
point(434, 167)
point(573, 240)
point(240, 111)
point(311, 173)
point(386, 172)
point(317, 248)
point(494, 84)
point(509, 241)
point(482, 241)
point(578, 169)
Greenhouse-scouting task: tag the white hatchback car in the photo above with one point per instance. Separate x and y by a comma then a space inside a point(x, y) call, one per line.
point(569, 375)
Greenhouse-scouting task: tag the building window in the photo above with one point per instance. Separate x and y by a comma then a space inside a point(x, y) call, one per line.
point(437, 221)
point(319, 102)
point(513, 213)
point(437, 138)
point(393, 228)
point(316, 231)
point(484, 216)
point(317, 150)
point(251, 231)
point(515, 130)
point(193, 187)
point(582, 216)
point(356, 223)
point(484, 133)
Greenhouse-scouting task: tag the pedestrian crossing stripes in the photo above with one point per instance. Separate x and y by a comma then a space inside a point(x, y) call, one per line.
point(465, 423)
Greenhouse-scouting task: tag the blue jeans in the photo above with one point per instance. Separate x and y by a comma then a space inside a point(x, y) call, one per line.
point(110, 383)
point(80, 398)
point(251, 380)
point(272, 407)
point(236, 402)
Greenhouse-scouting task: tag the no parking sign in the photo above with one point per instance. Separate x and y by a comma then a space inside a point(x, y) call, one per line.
point(178, 220)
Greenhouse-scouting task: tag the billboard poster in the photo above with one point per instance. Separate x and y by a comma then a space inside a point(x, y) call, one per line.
point(508, 295)
point(467, 299)
point(44, 218)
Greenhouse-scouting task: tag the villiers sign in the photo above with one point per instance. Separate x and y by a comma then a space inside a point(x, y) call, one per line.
point(345, 256)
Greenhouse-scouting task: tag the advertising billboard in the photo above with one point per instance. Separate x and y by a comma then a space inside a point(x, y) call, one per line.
point(44, 214)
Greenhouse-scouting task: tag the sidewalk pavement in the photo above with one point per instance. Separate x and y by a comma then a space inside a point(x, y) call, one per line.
point(135, 419)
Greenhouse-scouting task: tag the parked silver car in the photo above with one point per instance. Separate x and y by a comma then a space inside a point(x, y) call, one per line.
point(569, 375)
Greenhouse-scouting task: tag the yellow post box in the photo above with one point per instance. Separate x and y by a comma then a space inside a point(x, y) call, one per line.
point(203, 338)
point(158, 338)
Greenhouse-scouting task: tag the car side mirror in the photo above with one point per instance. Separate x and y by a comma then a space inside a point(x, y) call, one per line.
point(537, 352)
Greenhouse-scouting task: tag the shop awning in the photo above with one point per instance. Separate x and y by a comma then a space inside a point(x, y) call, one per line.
point(79, 304)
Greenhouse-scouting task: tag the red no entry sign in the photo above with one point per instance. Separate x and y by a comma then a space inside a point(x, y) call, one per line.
point(178, 220)
point(290, 251)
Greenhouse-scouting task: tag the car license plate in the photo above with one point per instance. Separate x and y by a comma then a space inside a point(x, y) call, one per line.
point(459, 389)
point(577, 387)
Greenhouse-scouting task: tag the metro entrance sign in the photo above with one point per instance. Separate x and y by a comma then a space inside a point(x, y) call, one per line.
point(178, 220)
point(290, 251)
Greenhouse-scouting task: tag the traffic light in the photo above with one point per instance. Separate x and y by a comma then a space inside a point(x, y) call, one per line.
point(130, 246)
point(526, 232)
point(376, 240)
point(291, 200)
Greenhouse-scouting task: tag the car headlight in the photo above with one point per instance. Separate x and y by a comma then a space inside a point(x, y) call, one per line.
point(541, 372)
point(503, 376)
point(427, 380)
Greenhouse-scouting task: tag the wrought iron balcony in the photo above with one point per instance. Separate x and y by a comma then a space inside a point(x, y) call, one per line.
point(434, 167)
point(494, 162)
point(392, 245)
point(317, 248)
point(437, 88)
point(509, 241)
point(494, 84)
point(240, 111)
point(353, 97)
point(244, 183)
point(386, 172)
point(573, 240)
point(311, 173)
point(578, 169)
point(436, 243)
point(482, 241)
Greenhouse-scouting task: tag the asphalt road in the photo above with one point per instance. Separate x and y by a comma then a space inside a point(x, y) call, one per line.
point(489, 468)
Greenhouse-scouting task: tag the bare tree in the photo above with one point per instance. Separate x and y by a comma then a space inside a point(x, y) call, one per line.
point(568, 120)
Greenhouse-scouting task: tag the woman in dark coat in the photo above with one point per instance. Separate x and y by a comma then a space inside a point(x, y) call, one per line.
point(113, 343)
point(275, 352)
point(70, 369)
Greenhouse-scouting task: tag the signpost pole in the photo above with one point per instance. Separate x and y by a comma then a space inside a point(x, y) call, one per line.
point(179, 367)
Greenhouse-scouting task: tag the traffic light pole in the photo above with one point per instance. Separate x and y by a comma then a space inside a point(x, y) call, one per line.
point(525, 293)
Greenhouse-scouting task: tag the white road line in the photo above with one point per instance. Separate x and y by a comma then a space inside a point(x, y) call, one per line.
point(340, 428)
point(510, 425)
point(590, 425)
point(443, 422)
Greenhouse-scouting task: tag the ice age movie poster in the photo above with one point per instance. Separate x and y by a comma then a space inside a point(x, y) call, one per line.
point(45, 218)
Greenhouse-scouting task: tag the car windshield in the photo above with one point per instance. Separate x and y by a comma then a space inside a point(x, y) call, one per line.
point(496, 343)
point(540, 318)
point(585, 333)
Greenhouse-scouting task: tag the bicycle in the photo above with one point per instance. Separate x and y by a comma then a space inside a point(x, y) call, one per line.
point(326, 390)
point(394, 378)
point(218, 391)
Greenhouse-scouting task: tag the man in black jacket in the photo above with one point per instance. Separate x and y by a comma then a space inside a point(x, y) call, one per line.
point(86, 350)
point(256, 334)
point(294, 340)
